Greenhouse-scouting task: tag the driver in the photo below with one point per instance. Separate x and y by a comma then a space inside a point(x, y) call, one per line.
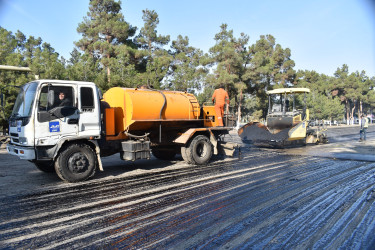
point(63, 100)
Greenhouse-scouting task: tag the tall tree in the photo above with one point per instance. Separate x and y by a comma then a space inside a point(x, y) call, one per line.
point(352, 93)
point(322, 101)
point(82, 67)
point(355, 90)
point(187, 70)
point(17, 50)
point(339, 88)
point(229, 59)
point(270, 67)
point(8, 56)
point(155, 58)
point(365, 90)
point(103, 30)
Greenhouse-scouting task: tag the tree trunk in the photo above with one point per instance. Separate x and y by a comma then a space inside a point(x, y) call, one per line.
point(347, 112)
point(108, 71)
point(239, 108)
point(352, 113)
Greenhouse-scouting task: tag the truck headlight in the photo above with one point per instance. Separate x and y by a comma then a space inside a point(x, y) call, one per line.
point(23, 140)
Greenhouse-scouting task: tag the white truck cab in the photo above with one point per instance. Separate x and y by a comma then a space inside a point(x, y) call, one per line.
point(47, 113)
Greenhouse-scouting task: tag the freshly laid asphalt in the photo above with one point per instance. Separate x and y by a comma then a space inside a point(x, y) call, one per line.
point(266, 198)
point(346, 147)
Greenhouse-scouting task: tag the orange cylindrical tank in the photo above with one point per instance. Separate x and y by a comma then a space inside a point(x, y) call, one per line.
point(148, 107)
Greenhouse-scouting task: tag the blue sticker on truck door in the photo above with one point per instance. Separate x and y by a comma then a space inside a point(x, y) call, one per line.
point(54, 126)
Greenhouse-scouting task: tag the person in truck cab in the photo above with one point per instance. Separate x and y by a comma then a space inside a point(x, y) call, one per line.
point(63, 100)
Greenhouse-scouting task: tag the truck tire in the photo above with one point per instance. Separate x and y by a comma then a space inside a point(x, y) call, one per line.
point(164, 154)
point(45, 166)
point(199, 150)
point(185, 155)
point(76, 162)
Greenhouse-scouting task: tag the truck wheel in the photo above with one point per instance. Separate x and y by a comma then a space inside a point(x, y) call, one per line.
point(185, 155)
point(164, 154)
point(199, 150)
point(77, 162)
point(45, 166)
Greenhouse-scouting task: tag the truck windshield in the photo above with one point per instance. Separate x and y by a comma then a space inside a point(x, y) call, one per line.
point(25, 100)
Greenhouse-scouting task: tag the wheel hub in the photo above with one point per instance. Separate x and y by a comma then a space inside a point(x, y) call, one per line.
point(78, 163)
point(201, 150)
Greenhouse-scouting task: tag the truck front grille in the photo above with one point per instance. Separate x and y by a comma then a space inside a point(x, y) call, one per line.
point(14, 137)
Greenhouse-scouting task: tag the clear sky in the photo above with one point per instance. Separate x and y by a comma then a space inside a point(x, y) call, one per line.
point(322, 34)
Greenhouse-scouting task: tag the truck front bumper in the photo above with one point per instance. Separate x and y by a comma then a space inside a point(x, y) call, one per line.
point(25, 153)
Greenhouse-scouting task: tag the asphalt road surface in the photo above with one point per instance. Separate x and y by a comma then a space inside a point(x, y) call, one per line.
point(268, 198)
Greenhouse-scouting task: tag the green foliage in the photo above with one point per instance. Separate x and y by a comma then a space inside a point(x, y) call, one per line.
point(324, 107)
point(83, 67)
point(205, 96)
point(334, 96)
point(17, 50)
point(269, 67)
point(155, 58)
point(229, 58)
point(186, 69)
point(106, 38)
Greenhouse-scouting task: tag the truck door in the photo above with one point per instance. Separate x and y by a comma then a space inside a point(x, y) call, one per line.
point(57, 116)
point(89, 121)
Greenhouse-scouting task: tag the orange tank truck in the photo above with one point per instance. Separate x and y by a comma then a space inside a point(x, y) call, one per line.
point(172, 122)
point(134, 123)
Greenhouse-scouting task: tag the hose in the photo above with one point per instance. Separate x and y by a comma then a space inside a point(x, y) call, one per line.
point(137, 136)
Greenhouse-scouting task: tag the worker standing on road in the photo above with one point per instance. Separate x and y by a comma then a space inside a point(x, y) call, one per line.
point(221, 97)
point(364, 126)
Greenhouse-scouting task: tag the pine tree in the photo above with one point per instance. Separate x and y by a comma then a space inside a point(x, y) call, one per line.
point(270, 67)
point(156, 59)
point(82, 67)
point(103, 31)
point(187, 71)
point(229, 58)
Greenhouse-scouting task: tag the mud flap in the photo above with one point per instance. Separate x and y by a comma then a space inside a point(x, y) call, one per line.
point(227, 148)
point(214, 142)
point(97, 151)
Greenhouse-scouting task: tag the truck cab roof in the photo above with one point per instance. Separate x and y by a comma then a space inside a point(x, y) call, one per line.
point(63, 82)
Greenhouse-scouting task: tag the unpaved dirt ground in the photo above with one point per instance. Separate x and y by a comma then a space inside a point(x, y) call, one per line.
point(319, 196)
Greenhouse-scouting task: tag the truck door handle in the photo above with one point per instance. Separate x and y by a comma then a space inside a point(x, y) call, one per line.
point(72, 121)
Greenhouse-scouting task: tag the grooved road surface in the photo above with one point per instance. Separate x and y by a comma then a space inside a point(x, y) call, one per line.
point(271, 198)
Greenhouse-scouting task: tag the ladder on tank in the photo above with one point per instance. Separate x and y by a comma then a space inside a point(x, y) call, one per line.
point(194, 106)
